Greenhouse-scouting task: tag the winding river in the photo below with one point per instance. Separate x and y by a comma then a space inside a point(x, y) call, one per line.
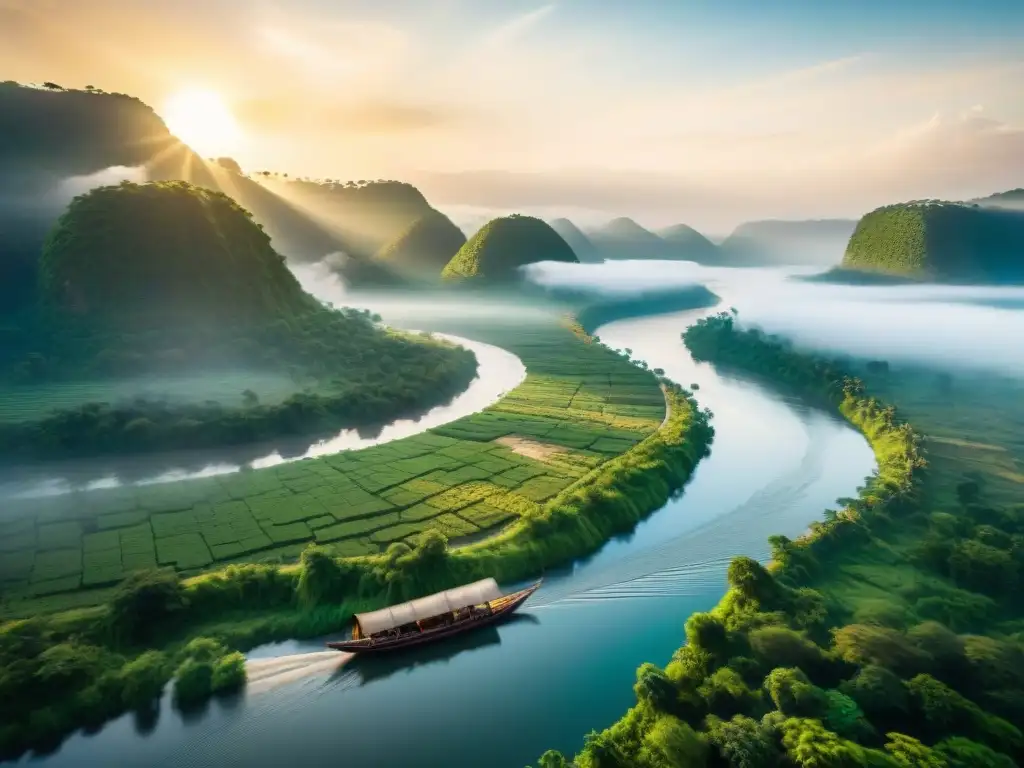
point(498, 372)
point(564, 666)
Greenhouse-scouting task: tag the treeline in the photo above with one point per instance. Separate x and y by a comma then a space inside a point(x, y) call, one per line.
point(119, 656)
point(356, 374)
point(775, 676)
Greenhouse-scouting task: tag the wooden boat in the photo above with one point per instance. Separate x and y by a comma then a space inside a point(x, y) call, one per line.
point(431, 618)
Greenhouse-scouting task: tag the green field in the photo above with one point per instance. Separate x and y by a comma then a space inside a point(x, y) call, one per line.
point(579, 405)
point(31, 402)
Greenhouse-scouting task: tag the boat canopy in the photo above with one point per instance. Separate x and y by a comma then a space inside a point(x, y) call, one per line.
point(478, 592)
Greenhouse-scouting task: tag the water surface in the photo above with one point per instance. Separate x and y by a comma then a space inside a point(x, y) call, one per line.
point(566, 665)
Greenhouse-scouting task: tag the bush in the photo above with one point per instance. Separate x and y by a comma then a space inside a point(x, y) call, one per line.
point(229, 673)
point(793, 694)
point(193, 683)
point(744, 743)
point(143, 679)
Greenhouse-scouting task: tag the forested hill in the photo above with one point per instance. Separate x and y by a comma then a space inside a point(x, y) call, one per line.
point(503, 245)
point(56, 132)
point(775, 242)
point(935, 240)
point(425, 247)
point(165, 252)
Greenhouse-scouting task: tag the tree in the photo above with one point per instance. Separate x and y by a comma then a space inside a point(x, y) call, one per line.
point(810, 745)
point(793, 694)
point(878, 692)
point(143, 679)
point(912, 753)
point(144, 604)
point(671, 743)
point(743, 742)
point(654, 687)
point(707, 632)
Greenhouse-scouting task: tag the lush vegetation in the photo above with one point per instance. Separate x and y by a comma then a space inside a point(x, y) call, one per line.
point(599, 462)
point(888, 635)
point(148, 253)
point(496, 252)
point(425, 247)
point(209, 296)
point(938, 240)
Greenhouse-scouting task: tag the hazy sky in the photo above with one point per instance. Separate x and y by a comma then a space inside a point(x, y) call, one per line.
point(705, 112)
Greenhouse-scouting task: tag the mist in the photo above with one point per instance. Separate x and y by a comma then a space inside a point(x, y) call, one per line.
point(952, 327)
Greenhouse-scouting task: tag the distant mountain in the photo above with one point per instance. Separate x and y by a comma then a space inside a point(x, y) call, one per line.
point(689, 244)
point(623, 238)
point(496, 252)
point(581, 245)
point(940, 241)
point(774, 242)
point(425, 247)
point(1012, 199)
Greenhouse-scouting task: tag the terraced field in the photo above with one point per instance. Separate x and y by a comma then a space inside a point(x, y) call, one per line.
point(579, 405)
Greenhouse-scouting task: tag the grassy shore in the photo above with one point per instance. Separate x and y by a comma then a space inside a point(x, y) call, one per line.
point(571, 457)
point(890, 634)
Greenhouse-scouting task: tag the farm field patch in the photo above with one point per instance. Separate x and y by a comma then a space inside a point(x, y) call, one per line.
point(580, 405)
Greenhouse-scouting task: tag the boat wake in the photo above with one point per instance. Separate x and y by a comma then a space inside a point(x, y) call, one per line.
point(693, 562)
point(268, 674)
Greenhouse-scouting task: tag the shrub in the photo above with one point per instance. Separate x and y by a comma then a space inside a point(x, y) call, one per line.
point(228, 673)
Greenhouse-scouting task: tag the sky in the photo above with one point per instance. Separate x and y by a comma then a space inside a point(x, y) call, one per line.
point(709, 113)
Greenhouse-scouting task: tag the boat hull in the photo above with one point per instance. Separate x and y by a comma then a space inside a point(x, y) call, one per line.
point(368, 646)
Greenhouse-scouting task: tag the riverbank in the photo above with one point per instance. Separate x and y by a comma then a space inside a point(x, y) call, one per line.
point(586, 402)
point(845, 649)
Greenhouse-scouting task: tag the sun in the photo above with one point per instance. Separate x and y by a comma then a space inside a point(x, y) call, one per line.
point(201, 119)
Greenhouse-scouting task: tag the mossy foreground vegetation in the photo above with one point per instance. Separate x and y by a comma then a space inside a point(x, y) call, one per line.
point(582, 450)
point(502, 246)
point(888, 635)
point(171, 279)
point(935, 240)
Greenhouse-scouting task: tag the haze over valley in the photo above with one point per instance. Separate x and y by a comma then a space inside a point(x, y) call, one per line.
point(568, 385)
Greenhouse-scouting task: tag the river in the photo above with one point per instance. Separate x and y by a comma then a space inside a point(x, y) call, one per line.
point(567, 663)
point(498, 372)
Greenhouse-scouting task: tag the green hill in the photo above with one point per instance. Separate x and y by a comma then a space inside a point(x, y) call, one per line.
point(167, 279)
point(496, 252)
point(687, 243)
point(165, 251)
point(581, 245)
point(935, 240)
point(425, 247)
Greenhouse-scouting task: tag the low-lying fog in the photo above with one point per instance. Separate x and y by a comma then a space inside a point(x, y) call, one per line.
point(950, 326)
